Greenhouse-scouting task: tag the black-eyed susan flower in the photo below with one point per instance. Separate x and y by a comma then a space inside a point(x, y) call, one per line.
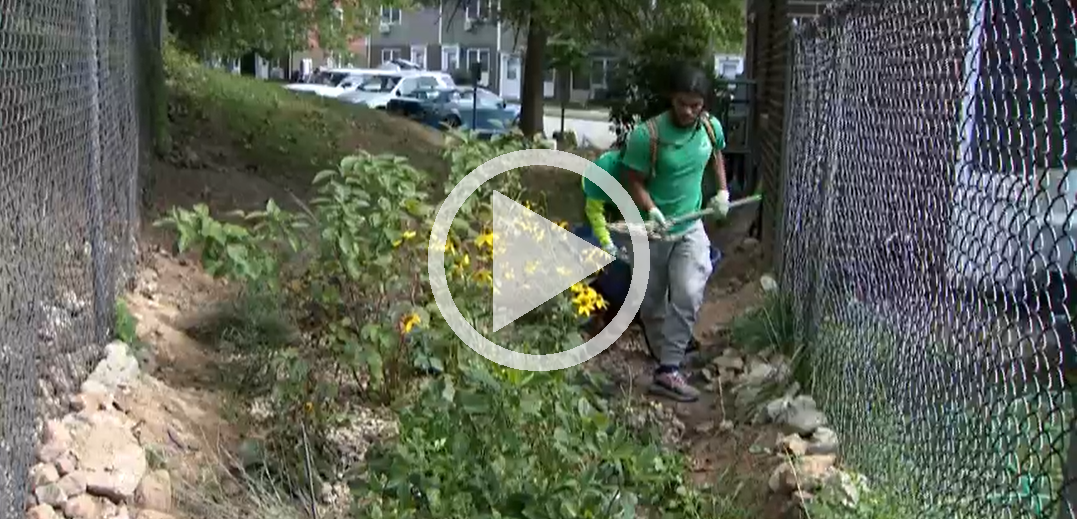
point(410, 321)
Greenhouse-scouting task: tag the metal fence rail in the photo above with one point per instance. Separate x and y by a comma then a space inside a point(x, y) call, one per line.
point(929, 237)
point(69, 169)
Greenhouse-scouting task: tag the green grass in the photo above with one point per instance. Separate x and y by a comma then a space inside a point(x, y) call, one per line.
point(281, 134)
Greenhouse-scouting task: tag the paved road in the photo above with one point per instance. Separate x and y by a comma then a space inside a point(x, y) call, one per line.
point(593, 133)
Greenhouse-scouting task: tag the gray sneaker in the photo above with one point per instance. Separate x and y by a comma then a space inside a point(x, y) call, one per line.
point(673, 385)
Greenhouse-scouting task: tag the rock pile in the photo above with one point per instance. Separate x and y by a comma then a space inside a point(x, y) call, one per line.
point(807, 450)
point(750, 377)
point(90, 464)
point(809, 453)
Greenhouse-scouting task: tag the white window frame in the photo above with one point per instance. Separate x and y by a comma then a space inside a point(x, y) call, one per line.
point(391, 52)
point(479, 52)
point(387, 15)
point(426, 54)
point(606, 63)
point(478, 9)
point(446, 52)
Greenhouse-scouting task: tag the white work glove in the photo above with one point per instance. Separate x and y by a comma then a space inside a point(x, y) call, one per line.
point(720, 204)
point(658, 218)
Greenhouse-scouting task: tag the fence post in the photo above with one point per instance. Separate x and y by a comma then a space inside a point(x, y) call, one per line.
point(784, 162)
point(102, 308)
point(826, 195)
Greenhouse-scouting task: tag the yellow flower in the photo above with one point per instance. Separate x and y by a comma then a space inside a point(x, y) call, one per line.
point(563, 224)
point(449, 247)
point(483, 276)
point(406, 235)
point(587, 300)
point(409, 321)
point(309, 407)
point(485, 239)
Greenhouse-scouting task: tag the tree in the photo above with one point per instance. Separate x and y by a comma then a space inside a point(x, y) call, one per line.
point(566, 55)
point(269, 27)
point(681, 32)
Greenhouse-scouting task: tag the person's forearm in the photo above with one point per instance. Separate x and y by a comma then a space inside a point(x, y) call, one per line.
point(719, 171)
point(639, 193)
point(596, 216)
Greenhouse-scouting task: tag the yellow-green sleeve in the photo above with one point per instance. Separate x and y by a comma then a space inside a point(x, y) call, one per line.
point(595, 210)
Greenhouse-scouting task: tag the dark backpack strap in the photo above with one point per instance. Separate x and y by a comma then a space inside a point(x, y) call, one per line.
point(652, 130)
point(705, 119)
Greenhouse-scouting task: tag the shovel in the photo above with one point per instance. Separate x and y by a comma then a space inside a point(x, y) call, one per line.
point(653, 234)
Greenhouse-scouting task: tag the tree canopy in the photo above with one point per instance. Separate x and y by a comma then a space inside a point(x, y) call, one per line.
point(270, 27)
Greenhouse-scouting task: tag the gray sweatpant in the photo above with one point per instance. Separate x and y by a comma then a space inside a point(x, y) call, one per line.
point(675, 289)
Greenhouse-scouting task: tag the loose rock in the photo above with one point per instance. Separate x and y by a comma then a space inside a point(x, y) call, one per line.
point(55, 432)
point(108, 454)
point(823, 441)
point(50, 494)
point(81, 507)
point(42, 512)
point(805, 421)
point(51, 451)
point(43, 474)
point(808, 473)
point(729, 361)
point(65, 464)
point(792, 444)
point(155, 491)
point(118, 370)
point(73, 484)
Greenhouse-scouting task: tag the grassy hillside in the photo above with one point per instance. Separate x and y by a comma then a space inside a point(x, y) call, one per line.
point(279, 135)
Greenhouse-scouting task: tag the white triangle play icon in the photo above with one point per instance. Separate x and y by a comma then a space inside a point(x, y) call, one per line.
point(534, 260)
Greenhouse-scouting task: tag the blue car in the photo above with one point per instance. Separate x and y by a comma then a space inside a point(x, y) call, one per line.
point(452, 107)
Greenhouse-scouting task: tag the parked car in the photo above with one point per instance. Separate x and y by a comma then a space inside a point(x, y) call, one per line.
point(452, 107)
point(336, 82)
point(400, 64)
point(322, 80)
point(377, 90)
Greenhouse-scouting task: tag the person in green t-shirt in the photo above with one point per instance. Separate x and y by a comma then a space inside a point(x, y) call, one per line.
point(664, 173)
point(597, 203)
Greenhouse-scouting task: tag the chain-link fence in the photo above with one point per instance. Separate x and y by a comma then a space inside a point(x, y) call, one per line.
point(69, 168)
point(929, 235)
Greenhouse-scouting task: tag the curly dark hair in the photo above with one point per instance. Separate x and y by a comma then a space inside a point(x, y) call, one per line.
point(687, 79)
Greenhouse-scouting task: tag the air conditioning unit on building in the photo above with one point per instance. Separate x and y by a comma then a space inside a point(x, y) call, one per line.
point(384, 27)
point(469, 24)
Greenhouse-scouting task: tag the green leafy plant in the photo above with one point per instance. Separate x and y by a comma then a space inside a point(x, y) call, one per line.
point(126, 324)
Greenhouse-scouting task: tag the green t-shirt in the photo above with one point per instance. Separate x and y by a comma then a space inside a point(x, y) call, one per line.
point(683, 153)
point(611, 163)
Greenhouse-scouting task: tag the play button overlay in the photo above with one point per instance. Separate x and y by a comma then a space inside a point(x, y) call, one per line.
point(536, 259)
